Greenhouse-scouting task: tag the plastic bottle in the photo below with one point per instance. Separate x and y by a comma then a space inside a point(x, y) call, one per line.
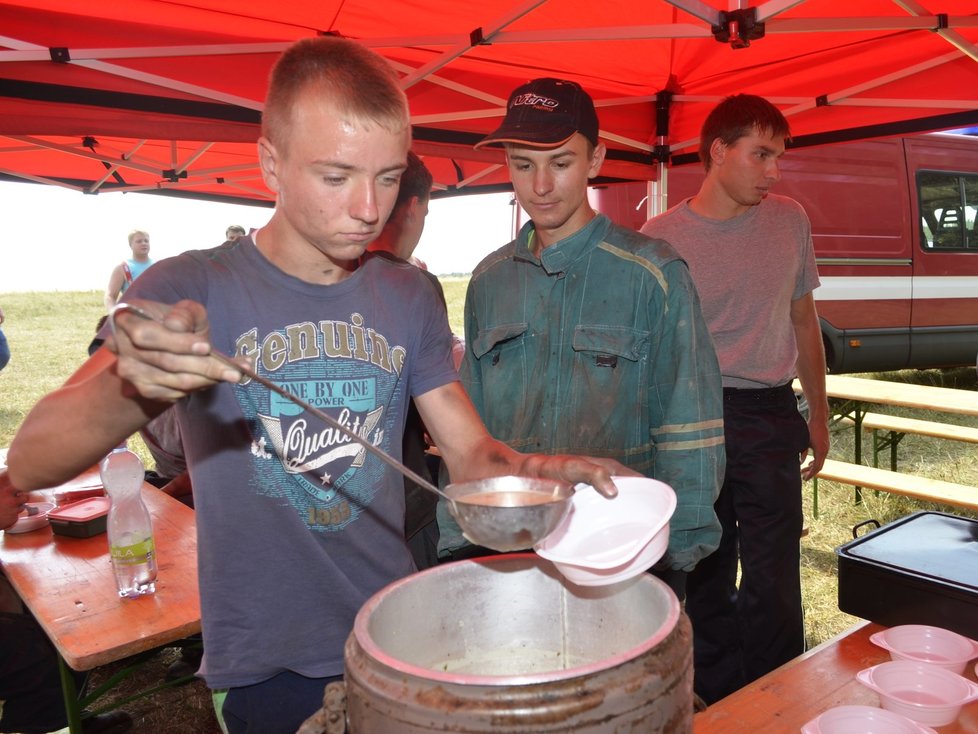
point(129, 526)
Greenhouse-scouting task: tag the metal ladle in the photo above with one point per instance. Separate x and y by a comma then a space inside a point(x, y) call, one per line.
point(503, 513)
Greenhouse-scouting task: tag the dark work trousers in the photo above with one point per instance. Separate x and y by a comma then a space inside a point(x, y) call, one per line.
point(741, 634)
point(278, 705)
point(30, 684)
point(420, 522)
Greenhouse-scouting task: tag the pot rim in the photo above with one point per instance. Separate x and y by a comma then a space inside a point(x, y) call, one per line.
point(362, 633)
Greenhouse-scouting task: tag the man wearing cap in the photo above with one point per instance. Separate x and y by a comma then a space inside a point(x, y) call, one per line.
point(581, 334)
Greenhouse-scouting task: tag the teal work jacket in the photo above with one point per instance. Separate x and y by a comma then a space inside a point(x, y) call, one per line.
point(598, 348)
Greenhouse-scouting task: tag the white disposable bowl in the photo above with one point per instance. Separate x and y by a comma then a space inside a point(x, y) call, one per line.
point(863, 720)
point(925, 644)
point(26, 522)
point(922, 692)
point(604, 541)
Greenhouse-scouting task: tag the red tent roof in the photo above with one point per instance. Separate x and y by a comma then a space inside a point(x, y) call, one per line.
point(156, 95)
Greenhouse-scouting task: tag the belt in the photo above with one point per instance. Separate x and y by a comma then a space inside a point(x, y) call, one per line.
point(758, 396)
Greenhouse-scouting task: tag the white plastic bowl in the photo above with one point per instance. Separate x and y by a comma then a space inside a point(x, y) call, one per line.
point(604, 541)
point(922, 692)
point(925, 644)
point(863, 720)
point(27, 522)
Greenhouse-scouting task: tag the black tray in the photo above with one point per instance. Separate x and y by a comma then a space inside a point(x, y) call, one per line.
point(921, 569)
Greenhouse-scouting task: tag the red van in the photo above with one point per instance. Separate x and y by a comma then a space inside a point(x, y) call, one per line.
point(893, 222)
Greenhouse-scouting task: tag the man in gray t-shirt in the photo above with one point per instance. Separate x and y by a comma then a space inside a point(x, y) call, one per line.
point(750, 255)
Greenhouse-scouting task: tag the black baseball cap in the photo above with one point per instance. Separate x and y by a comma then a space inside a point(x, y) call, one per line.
point(546, 113)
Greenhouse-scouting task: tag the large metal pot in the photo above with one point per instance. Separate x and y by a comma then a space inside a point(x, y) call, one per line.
point(504, 644)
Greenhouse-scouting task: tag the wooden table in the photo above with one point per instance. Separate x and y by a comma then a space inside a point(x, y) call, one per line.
point(854, 394)
point(68, 585)
point(886, 392)
point(798, 691)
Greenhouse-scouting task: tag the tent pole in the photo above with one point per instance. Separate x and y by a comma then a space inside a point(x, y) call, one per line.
point(657, 195)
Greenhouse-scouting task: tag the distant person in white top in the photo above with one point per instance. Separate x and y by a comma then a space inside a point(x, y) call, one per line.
point(128, 270)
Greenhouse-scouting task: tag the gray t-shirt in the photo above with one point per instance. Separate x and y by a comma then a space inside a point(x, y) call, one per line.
point(747, 271)
point(297, 524)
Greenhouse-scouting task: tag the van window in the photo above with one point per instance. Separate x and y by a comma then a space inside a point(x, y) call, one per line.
point(948, 208)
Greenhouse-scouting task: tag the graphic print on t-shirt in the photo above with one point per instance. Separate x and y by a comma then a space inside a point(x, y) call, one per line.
point(345, 369)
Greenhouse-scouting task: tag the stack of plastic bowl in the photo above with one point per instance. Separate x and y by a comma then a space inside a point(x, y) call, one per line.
point(863, 720)
point(604, 541)
point(920, 687)
point(924, 644)
point(922, 681)
point(922, 692)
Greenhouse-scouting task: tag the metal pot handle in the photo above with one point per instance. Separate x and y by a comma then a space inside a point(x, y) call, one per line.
point(331, 718)
point(855, 528)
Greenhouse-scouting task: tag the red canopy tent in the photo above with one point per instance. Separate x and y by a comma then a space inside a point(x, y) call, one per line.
point(155, 95)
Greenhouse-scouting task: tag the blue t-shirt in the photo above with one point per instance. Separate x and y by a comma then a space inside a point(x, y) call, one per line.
point(136, 269)
point(298, 525)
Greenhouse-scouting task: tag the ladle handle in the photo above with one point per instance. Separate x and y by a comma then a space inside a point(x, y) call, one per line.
point(325, 417)
point(248, 372)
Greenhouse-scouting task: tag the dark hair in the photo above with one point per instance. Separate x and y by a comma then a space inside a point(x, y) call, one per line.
point(96, 342)
point(736, 117)
point(356, 81)
point(415, 181)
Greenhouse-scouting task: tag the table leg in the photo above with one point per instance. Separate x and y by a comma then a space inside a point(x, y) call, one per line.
point(881, 441)
point(858, 413)
point(841, 409)
point(80, 706)
point(72, 709)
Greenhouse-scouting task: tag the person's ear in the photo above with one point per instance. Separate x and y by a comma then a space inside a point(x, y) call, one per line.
point(269, 160)
point(597, 160)
point(718, 151)
point(414, 207)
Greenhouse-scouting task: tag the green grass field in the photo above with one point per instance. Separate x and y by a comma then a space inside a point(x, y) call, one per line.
point(49, 335)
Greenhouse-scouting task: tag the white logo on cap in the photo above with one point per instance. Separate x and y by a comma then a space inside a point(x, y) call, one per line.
point(535, 99)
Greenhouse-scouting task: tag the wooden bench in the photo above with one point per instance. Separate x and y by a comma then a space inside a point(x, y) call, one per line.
point(908, 485)
point(896, 427)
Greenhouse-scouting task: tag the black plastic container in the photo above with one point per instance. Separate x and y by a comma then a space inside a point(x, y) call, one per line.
point(921, 569)
point(80, 519)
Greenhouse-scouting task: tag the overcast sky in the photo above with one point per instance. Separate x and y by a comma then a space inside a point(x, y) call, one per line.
point(57, 239)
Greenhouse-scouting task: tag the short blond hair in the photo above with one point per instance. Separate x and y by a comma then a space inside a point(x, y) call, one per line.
point(135, 233)
point(356, 80)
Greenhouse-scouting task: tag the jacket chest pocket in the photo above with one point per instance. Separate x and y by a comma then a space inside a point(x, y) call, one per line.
point(503, 367)
point(493, 343)
point(609, 362)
